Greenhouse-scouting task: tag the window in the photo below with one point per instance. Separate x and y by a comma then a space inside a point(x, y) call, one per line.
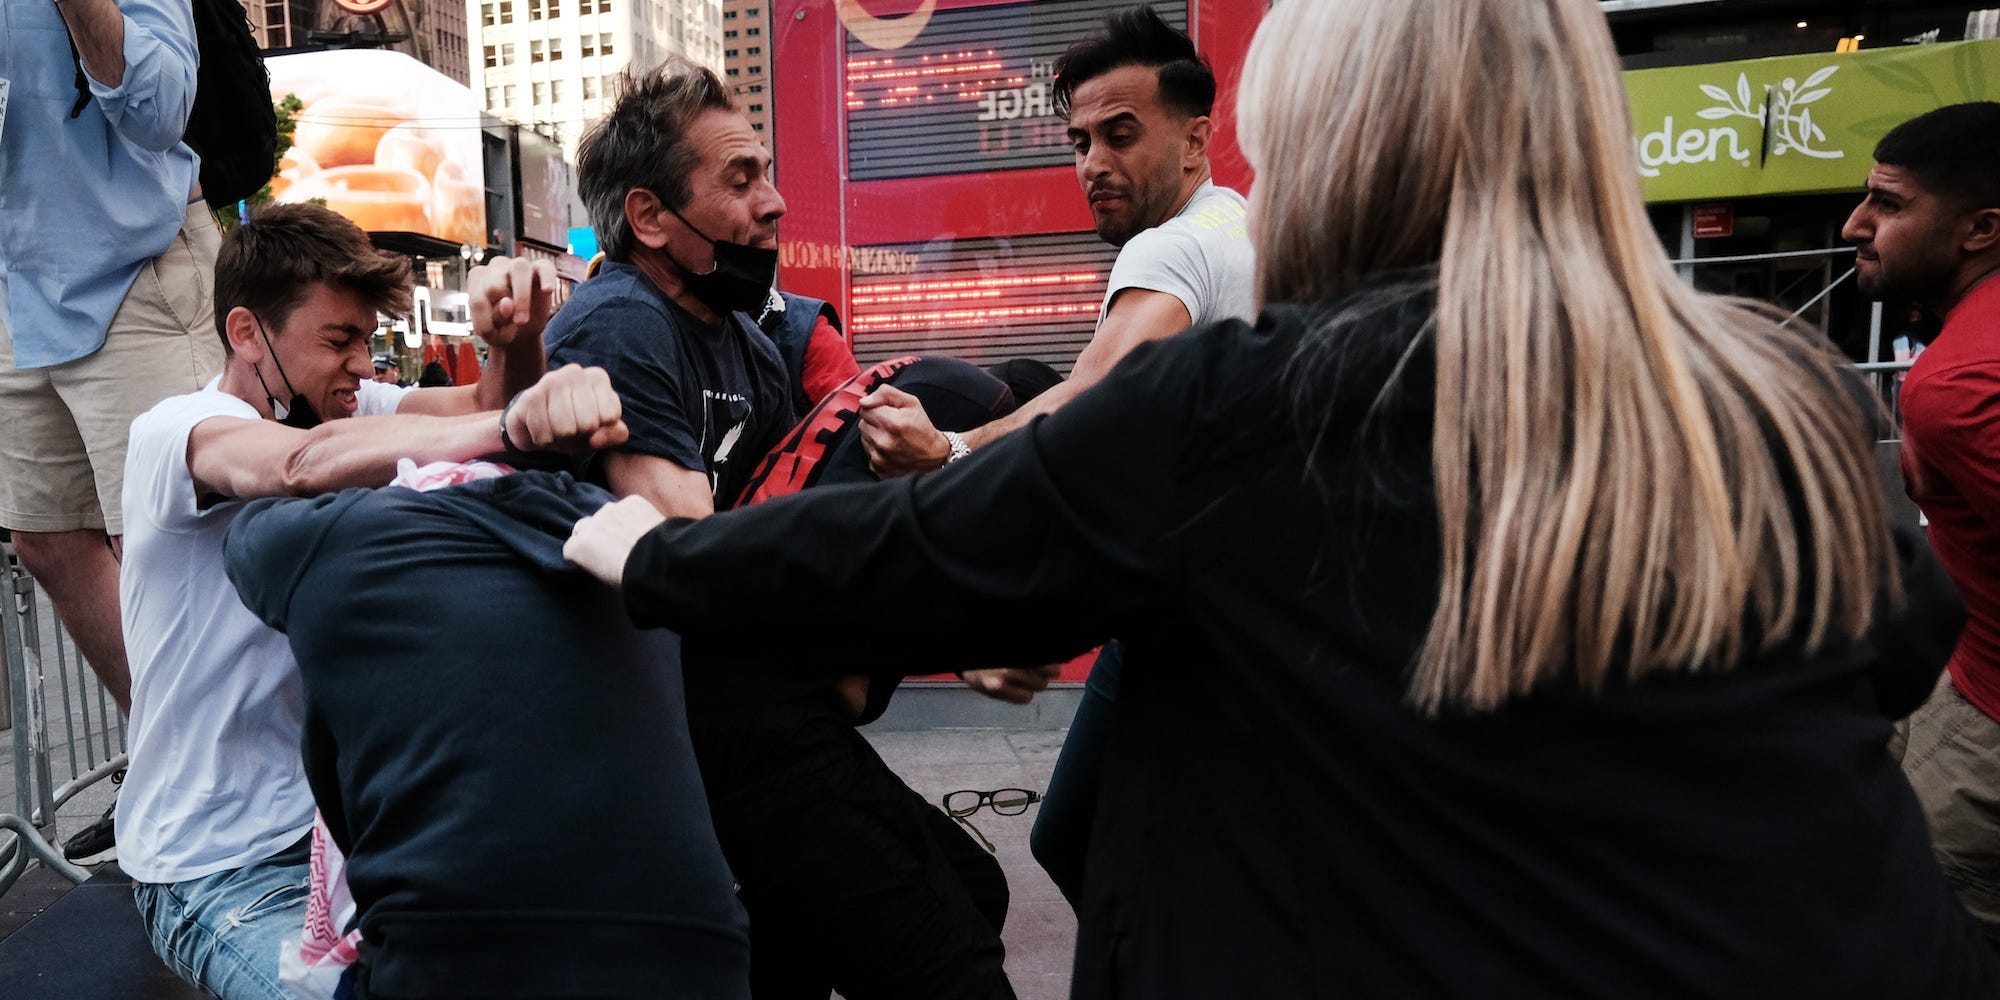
point(555, 8)
point(555, 91)
point(510, 92)
point(729, 15)
point(731, 33)
point(506, 11)
point(555, 49)
point(541, 93)
point(493, 97)
point(728, 53)
point(492, 57)
point(535, 51)
point(753, 31)
point(589, 88)
point(604, 44)
point(756, 50)
point(756, 70)
point(486, 15)
point(754, 108)
point(506, 53)
point(589, 46)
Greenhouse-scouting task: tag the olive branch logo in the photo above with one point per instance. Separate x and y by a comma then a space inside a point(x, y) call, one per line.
point(1787, 105)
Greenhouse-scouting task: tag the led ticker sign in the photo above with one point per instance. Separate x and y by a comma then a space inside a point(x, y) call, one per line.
point(971, 93)
point(984, 299)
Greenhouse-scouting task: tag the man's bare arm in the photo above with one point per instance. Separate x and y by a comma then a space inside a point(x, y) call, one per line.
point(569, 409)
point(510, 305)
point(901, 440)
point(244, 458)
point(98, 28)
point(672, 490)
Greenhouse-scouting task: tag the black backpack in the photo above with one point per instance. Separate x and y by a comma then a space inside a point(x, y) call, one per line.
point(232, 127)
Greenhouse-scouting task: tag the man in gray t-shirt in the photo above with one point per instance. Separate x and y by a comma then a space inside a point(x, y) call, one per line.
point(1201, 257)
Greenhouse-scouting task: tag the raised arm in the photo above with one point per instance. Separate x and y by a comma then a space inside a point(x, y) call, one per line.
point(141, 63)
point(511, 303)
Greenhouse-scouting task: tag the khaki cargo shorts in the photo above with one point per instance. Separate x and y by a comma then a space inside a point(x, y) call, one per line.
point(63, 428)
point(1950, 751)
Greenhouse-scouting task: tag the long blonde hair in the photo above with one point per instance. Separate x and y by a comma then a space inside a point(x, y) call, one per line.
point(1631, 476)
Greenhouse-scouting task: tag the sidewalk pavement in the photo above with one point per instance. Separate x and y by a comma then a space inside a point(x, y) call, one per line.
point(1041, 931)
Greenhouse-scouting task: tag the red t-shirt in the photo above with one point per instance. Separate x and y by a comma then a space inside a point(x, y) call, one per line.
point(829, 362)
point(1951, 467)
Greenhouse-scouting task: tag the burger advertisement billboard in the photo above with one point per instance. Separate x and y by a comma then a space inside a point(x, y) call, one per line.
point(384, 140)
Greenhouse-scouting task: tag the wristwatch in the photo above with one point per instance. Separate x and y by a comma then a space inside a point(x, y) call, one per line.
point(959, 449)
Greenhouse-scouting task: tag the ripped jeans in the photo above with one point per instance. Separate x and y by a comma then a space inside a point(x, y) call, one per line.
point(223, 932)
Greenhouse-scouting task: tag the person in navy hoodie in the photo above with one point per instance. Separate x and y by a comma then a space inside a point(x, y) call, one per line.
point(471, 703)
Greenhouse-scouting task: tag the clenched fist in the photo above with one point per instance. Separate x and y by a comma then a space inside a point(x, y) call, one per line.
point(571, 409)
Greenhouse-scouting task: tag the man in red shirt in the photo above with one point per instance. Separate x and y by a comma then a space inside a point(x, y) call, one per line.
point(1929, 232)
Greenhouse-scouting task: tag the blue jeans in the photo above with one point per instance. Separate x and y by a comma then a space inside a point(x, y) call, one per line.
point(224, 932)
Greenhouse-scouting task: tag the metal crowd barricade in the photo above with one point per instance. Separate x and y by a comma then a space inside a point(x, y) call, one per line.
point(66, 732)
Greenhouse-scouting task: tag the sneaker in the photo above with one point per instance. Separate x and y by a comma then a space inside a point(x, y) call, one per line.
point(94, 844)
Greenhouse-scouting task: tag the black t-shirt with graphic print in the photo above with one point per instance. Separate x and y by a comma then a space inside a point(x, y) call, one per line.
point(704, 399)
point(701, 398)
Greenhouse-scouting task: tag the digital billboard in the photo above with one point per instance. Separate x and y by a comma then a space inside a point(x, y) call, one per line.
point(971, 92)
point(384, 140)
point(546, 188)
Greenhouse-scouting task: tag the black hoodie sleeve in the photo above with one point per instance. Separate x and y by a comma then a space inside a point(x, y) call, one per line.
point(1034, 549)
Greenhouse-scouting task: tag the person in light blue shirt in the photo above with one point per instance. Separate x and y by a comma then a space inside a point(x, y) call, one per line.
point(107, 259)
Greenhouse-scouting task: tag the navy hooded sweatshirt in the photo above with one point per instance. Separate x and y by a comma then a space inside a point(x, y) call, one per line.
point(502, 756)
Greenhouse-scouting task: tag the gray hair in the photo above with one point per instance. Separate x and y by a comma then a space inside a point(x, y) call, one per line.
point(642, 143)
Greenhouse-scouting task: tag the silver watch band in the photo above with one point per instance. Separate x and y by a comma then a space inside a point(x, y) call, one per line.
point(959, 449)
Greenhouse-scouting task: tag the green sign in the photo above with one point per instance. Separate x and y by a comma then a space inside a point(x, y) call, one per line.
point(1794, 124)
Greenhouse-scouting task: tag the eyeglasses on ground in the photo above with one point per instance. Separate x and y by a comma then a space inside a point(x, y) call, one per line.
point(1005, 801)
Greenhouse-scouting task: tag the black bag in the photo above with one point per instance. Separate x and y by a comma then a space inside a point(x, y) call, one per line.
point(233, 126)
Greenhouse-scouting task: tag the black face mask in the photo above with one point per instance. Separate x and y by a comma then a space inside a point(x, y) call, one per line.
point(299, 412)
point(741, 280)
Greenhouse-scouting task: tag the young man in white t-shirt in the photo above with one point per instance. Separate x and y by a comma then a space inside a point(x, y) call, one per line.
point(213, 819)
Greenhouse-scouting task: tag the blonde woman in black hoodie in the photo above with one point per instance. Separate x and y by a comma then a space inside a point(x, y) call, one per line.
point(1503, 617)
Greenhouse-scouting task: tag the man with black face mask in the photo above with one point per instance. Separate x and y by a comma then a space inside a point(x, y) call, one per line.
point(852, 881)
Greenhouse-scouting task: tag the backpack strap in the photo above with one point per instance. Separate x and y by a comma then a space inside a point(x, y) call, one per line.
point(82, 82)
point(793, 464)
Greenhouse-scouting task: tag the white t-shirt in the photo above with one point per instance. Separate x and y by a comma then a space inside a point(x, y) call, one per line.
point(1201, 256)
point(215, 780)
